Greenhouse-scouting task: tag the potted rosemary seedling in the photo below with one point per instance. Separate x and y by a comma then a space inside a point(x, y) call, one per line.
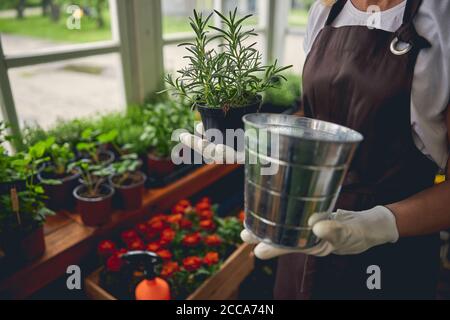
point(225, 84)
point(94, 195)
point(57, 180)
point(128, 181)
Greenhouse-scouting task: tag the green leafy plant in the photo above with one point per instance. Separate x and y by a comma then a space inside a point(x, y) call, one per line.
point(93, 175)
point(125, 169)
point(284, 93)
point(60, 156)
point(223, 78)
point(162, 119)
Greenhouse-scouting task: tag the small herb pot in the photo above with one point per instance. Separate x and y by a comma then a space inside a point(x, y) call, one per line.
point(159, 167)
point(131, 191)
point(24, 247)
point(94, 211)
point(59, 196)
point(217, 118)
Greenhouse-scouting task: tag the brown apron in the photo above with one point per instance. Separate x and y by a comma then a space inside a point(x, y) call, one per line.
point(352, 78)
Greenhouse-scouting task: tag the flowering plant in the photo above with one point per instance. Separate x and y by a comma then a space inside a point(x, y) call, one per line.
point(191, 240)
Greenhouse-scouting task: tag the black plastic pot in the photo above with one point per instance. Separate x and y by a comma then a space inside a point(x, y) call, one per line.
point(94, 211)
point(60, 195)
point(217, 118)
point(24, 247)
point(130, 195)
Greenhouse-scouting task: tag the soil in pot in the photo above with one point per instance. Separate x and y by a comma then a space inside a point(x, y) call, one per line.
point(159, 167)
point(130, 189)
point(217, 118)
point(24, 247)
point(94, 210)
point(60, 195)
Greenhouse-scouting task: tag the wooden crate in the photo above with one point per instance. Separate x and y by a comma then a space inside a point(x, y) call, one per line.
point(223, 285)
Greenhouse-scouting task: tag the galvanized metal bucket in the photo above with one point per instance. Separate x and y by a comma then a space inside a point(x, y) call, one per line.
point(294, 168)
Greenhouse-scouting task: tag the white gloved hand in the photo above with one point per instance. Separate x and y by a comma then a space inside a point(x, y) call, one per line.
point(212, 153)
point(346, 233)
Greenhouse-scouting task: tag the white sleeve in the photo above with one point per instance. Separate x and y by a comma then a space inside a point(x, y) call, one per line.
point(431, 85)
point(317, 18)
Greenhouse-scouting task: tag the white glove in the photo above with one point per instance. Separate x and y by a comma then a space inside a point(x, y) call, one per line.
point(346, 233)
point(212, 153)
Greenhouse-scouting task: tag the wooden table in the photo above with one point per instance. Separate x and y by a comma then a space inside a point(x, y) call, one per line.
point(68, 241)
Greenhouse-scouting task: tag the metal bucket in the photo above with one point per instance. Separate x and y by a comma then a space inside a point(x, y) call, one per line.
point(294, 168)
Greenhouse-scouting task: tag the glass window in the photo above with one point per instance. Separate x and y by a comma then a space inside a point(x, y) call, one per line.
point(68, 89)
point(40, 24)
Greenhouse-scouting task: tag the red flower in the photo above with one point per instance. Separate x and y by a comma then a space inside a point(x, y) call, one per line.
point(175, 218)
point(151, 235)
point(153, 246)
point(205, 199)
point(114, 262)
point(202, 206)
point(211, 258)
point(156, 225)
point(137, 244)
point(192, 240)
point(142, 228)
point(167, 235)
point(241, 216)
point(212, 240)
point(185, 224)
point(158, 217)
point(164, 254)
point(129, 235)
point(205, 214)
point(106, 248)
point(184, 203)
point(169, 268)
point(192, 263)
point(178, 209)
point(207, 225)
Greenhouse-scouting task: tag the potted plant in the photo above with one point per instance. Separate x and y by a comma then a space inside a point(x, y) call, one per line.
point(285, 95)
point(22, 210)
point(161, 120)
point(223, 84)
point(94, 146)
point(128, 181)
point(56, 178)
point(94, 196)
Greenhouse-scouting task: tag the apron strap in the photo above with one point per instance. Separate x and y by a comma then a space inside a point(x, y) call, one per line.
point(407, 31)
point(335, 10)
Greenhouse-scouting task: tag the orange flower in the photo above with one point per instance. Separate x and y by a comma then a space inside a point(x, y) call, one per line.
point(184, 203)
point(178, 209)
point(241, 216)
point(201, 206)
point(167, 235)
point(156, 225)
point(106, 248)
point(205, 214)
point(192, 240)
point(175, 218)
point(169, 268)
point(164, 254)
point(136, 244)
point(207, 225)
point(157, 217)
point(205, 199)
point(192, 263)
point(142, 228)
point(153, 246)
point(211, 258)
point(212, 240)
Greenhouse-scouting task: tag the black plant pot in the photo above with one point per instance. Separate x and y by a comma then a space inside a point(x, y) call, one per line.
point(216, 118)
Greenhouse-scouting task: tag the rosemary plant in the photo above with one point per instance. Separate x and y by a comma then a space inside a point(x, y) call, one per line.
point(227, 77)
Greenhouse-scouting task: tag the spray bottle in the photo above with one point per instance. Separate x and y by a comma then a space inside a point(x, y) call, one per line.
point(152, 287)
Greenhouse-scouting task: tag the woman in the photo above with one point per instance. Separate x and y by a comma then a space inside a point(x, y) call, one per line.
point(393, 85)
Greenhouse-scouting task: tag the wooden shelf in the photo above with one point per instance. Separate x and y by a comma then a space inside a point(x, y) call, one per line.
point(68, 241)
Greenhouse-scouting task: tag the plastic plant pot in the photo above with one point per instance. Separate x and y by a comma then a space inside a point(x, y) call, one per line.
point(24, 247)
point(94, 211)
point(59, 196)
point(130, 194)
point(159, 167)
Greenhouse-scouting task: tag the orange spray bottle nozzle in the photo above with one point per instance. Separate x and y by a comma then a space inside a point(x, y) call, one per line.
point(152, 287)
